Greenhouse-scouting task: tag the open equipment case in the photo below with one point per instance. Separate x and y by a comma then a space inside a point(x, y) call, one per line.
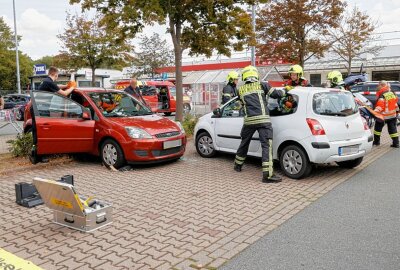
point(69, 209)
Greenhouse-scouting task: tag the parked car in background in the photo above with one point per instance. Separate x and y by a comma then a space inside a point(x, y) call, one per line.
point(325, 127)
point(159, 95)
point(17, 102)
point(107, 123)
point(369, 89)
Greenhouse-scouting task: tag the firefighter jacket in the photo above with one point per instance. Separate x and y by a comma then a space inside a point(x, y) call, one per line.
point(300, 82)
point(229, 92)
point(254, 99)
point(386, 103)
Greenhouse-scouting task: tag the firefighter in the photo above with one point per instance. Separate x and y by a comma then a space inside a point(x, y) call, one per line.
point(386, 105)
point(230, 90)
point(335, 79)
point(253, 95)
point(296, 78)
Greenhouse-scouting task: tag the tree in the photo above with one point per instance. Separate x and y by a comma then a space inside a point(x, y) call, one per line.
point(48, 60)
point(202, 27)
point(291, 30)
point(86, 43)
point(8, 67)
point(154, 54)
point(354, 37)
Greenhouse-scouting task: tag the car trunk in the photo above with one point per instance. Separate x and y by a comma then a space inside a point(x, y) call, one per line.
point(339, 128)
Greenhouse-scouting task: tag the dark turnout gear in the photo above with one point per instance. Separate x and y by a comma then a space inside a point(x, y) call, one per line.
point(229, 92)
point(392, 129)
point(253, 96)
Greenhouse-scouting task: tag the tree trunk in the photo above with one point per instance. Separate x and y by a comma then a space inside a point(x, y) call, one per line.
point(94, 77)
point(349, 66)
point(176, 31)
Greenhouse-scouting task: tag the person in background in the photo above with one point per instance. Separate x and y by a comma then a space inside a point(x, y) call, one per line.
point(230, 90)
point(1, 102)
point(48, 84)
point(386, 105)
point(134, 91)
point(296, 78)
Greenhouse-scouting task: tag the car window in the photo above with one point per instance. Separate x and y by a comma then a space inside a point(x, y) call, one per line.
point(334, 103)
point(284, 106)
point(233, 109)
point(395, 87)
point(118, 104)
point(56, 106)
point(149, 91)
point(172, 90)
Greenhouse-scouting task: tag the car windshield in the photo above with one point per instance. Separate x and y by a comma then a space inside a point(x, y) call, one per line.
point(334, 103)
point(118, 104)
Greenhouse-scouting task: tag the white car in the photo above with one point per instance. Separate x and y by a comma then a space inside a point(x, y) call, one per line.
point(325, 127)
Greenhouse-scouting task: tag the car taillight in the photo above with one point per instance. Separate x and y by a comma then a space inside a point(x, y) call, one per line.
point(315, 127)
point(366, 127)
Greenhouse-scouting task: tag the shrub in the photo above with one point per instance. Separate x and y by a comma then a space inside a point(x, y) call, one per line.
point(189, 122)
point(22, 145)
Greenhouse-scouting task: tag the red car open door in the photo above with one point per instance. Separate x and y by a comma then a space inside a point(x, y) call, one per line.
point(60, 125)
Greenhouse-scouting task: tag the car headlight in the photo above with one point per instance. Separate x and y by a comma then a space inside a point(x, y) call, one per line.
point(180, 127)
point(137, 133)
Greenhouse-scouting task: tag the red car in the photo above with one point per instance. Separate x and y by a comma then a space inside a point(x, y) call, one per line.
point(110, 124)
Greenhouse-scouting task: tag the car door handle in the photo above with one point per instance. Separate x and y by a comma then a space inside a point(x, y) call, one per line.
point(46, 126)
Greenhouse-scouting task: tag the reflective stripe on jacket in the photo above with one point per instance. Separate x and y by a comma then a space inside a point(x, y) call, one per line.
point(387, 104)
point(254, 98)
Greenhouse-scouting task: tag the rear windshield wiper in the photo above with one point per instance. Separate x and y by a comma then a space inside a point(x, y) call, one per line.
point(334, 114)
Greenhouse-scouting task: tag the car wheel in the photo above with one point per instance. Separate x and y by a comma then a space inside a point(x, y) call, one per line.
point(186, 108)
point(19, 115)
point(294, 162)
point(350, 164)
point(205, 145)
point(111, 154)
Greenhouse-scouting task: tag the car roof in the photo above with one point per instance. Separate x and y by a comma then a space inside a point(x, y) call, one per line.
point(17, 95)
point(96, 89)
point(306, 90)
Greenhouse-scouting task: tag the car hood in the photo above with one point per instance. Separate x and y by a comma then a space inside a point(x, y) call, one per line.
point(152, 124)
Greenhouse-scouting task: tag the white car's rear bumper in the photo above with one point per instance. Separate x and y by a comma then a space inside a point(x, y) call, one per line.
point(320, 150)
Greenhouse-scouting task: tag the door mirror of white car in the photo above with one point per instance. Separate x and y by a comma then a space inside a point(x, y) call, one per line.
point(216, 113)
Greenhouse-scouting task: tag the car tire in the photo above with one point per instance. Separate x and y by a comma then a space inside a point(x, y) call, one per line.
point(112, 154)
point(186, 108)
point(205, 145)
point(19, 116)
point(350, 164)
point(294, 162)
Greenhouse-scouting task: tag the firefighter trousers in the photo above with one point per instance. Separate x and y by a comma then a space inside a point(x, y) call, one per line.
point(265, 137)
point(392, 129)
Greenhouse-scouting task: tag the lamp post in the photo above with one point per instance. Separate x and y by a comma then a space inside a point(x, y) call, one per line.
point(253, 48)
point(16, 50)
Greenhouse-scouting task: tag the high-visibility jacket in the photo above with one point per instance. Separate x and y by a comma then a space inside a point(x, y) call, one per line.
point(387, 103)
point(253, 95)
point(228, 92)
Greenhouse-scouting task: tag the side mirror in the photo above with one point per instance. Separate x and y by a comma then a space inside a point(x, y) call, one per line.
point(86, 115)
point(216, 113)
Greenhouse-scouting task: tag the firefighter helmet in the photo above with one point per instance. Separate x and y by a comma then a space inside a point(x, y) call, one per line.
point(249, 73)
point(233, 75)
point(335, 77)
point(296, 69)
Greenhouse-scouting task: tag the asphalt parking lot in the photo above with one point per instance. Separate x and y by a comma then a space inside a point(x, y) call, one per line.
point(191, 214)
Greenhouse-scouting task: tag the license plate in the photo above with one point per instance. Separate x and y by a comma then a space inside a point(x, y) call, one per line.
point(172, 144)
point(348, 150)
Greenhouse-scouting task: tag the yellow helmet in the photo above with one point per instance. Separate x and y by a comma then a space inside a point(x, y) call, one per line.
point(249, 72)
point(233, 75)
point(335, 76)
point(296, 69)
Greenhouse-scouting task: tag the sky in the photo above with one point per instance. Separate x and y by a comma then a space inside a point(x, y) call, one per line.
point(40, 21)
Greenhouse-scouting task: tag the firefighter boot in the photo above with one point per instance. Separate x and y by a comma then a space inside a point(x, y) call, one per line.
point(271, 179)
point(377, 140)
point(395, 143)
point(237, 167)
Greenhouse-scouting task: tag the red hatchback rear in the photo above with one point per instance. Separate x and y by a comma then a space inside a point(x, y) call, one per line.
point(110, 124)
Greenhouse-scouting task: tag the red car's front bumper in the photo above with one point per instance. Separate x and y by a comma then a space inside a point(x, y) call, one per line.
point(152, 150)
